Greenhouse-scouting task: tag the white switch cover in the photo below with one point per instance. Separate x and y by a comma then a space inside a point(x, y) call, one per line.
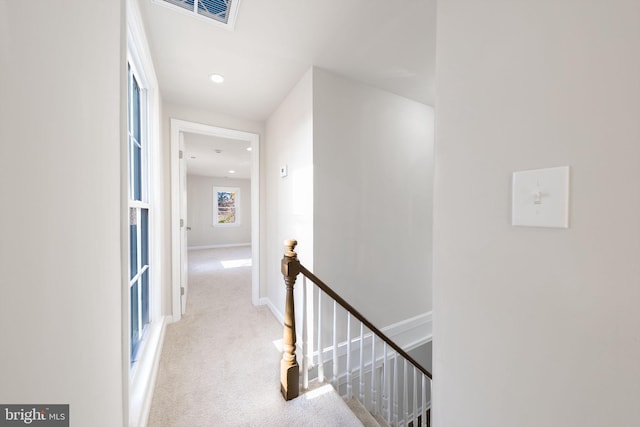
point(284, 171)
point(541, 198)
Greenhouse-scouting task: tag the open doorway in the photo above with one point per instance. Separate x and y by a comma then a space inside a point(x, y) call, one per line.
point(203, 140)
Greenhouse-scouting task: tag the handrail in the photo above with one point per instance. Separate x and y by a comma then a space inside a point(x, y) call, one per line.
point(289, 369)
point(309, 275)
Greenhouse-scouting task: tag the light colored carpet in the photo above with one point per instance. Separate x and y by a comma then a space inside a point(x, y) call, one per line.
point(220, 364)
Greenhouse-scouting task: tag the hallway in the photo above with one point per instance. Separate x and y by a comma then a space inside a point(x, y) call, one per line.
point(220, 364)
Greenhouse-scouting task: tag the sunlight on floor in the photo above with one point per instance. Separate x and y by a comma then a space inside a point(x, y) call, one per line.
point(313, 394)
point(235, 263)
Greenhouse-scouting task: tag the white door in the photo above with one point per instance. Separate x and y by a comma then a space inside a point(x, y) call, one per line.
point(184, 262)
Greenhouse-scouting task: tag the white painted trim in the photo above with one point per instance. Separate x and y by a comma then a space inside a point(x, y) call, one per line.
point(276, 313)
point(411, 333)
point(138, 47)
point(408, 334)
point(143, 381)
point(175, 223)
point(177, 127)
point(138, 385)
point(231, 245)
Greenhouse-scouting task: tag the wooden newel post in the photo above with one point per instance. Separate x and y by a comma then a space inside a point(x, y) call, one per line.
point(289, 369)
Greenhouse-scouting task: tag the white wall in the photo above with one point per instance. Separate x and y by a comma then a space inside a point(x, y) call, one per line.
point(173, 111)
point(373, 178)
point(289, 202)
point(200, 212)
point(537, 326)
point(62, 123)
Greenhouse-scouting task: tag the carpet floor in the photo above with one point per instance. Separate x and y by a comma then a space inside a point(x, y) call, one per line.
point(220, 364)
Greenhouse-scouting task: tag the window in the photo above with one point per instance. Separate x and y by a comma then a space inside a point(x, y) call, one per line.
point(226, 206)
point(138, 214)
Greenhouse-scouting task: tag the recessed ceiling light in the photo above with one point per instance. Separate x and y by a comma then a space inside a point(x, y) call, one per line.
point(216, 78)
point(249, 149)
point(232, 171)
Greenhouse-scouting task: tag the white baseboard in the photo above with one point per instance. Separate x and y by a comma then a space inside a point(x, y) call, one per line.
point(232, 245)
point(277, 313)
point(144, 380)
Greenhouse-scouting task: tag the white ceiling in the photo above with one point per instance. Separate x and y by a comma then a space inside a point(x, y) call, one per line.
point(389, 44)
point(214, 156)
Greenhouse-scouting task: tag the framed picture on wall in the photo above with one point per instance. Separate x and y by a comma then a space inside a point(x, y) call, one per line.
point(226, 206)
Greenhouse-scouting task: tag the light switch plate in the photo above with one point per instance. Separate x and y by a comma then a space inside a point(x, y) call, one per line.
point(284, 171)
point(541, 198)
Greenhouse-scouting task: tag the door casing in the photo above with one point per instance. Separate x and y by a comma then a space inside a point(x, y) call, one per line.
point(177, 128)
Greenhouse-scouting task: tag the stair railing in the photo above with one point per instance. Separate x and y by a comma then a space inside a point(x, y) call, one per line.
point(390, 383)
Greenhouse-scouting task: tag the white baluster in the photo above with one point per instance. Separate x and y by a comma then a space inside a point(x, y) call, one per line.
point(379, 372)
point(385, 383)
point(430, 396)
point(387, 386)
point(349, 387)
point(361, 363)
point(311, 321)
point(305, 338)
point(335, 345)
point(396, 392)
point(379, 387)
point(374, 391)
point(320, 358)
point(415, 396)
point(423, 411)
point(405, 395)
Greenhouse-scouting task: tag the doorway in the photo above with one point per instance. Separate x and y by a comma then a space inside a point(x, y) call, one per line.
point(180, 128)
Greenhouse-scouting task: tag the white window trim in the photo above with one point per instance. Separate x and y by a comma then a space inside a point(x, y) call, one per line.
point(139, 205)
point(139, 382)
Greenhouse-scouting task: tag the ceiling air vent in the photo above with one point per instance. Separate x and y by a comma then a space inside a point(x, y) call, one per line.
point(221, 12)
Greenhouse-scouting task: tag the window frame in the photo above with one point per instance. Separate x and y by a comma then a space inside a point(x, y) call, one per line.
point(216, 207)
point(141, 375)
point(136, 206)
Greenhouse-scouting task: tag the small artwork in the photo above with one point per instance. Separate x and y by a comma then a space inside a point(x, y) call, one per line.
point(226, 206)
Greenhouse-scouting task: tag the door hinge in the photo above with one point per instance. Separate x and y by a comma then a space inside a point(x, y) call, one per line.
point(181, 290)
point(181, 222)
point(180, 154)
